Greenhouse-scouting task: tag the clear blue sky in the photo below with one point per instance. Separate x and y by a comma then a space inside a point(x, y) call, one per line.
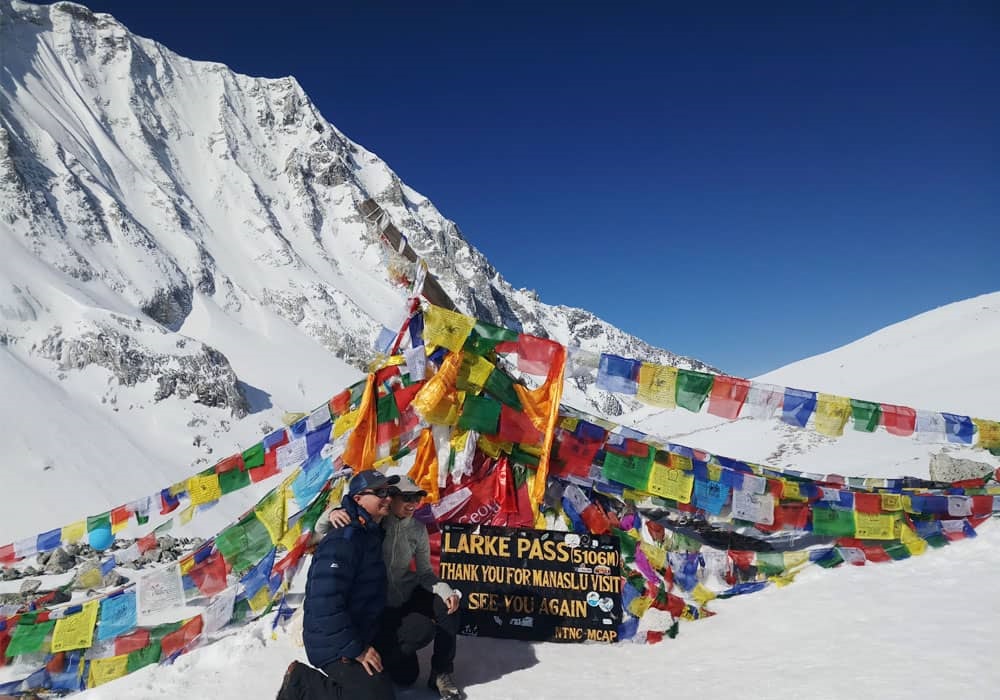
point(749, 183)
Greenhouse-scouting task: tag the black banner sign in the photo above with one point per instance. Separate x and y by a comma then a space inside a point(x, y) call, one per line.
point(537, 585)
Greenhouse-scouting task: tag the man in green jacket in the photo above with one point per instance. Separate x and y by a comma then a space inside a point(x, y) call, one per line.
point(419, 606)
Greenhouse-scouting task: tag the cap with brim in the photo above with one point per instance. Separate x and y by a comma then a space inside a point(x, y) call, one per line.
point(368, 480)
point(407, 487)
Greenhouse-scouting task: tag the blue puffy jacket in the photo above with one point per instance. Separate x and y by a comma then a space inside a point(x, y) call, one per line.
point(345, 590)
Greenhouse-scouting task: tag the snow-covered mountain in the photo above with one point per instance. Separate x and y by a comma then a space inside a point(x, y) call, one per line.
point(188, 252)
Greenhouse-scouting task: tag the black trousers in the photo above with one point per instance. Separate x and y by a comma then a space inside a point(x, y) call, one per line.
point(343, 681)
point(411, 626)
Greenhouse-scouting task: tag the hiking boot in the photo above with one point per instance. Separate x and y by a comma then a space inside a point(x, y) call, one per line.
point(445, 686)
point(290, 689)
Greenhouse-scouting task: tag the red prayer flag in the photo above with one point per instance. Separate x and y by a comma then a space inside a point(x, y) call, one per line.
point(7, 554)
point(293, 556)
point(146, 543)
point(875, 552)
point(133, 641)
point(727, 396)
point(898, 420)
point(535, 355)
point(120, 515)
point(341, 403)
point(270, 466)
point(517, 427)
point(210, 575)
point(230, 463)
point(868, 502)
point(177, 641)
point(404, 395)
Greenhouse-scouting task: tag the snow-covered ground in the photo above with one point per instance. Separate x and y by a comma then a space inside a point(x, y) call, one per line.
point(924, 627)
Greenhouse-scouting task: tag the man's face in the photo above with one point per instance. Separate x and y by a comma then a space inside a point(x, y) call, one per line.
point(375, 502)
point(404, 504)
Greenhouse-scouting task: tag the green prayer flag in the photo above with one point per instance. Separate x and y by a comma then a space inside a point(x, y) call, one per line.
point(520, 456)
point(831, 559)
point(896, 550)
point(314, 510)
point(627, 544)
point(485, 337)
point(386, 409)
point(254, 456)
point(99, 522)
point(500, 386)
point(693, 388)
point(866, 415)
point(29, 638)
point(630, 470)
point(936, 541)
point(833, 522)
point(142, 518)
point(244, 544)
point(480, 413)
point(146, 656)
point(233, 480)
point(770, 563)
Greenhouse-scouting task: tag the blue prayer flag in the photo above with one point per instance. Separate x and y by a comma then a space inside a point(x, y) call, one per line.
point(619, 375)
point(959, 428)
point(117, 617)
point(49, 540)
point(799, 405)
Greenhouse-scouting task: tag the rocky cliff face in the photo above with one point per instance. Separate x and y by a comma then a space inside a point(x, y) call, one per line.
point(149, 201)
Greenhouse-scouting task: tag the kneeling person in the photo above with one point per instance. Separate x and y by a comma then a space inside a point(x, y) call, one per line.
point(420, 607)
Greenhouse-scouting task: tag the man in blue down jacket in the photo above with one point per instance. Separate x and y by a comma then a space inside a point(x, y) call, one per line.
point(345, 597)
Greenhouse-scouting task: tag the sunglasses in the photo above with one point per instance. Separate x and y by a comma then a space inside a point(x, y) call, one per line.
point(377, 493)
point(411, 497)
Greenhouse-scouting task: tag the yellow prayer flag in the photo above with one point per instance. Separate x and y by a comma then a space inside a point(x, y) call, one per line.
point(105, 670)
point(75, 631)
point(790, 491)
point(702, 595)
point(569, 424)
point(670, 483)
point(639, 605)
point(874, 526)
point(288, 539)
point(907, 505)
point(438, 400)
point(345, 422)
point(186, 564)
point(474, 372)
point(187, 515)
point(989, 433)
point(679, 462)
point(657, 385)
point(91, 578)
point(291, 417)
point(446, 328)
point(260, 600)
point(204, 489)
point(493, 448)
point(656, 556)
point(891, 501)
point(714, 472)
point(832, 413)
point(911, 540)
point(271, 513)
point(75, 531)
point(794, 560)
point(178, 488)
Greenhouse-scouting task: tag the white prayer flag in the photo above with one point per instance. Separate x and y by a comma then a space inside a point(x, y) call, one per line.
point(219, 611)
point(159, 590)
point(292, 454)
point(753, 507)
